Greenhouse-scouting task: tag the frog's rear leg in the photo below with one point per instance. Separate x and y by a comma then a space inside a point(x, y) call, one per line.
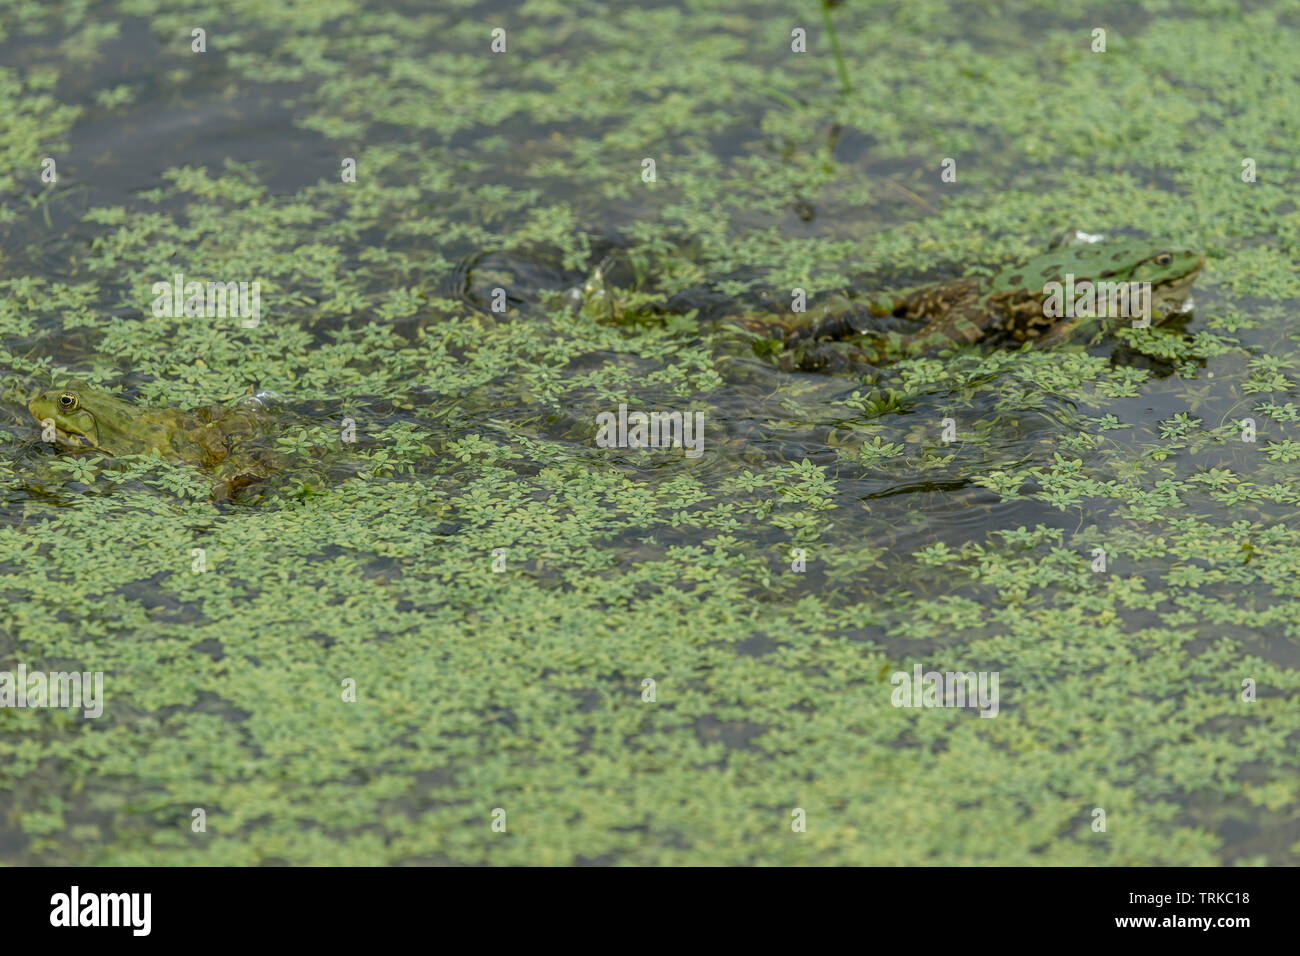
point(937, 303)
point(843, 318)
point(1025, 318)
point(959, 316)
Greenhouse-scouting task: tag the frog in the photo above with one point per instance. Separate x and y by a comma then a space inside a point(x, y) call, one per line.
point(1020, 303)
point(1034, 301)
point(80, 418)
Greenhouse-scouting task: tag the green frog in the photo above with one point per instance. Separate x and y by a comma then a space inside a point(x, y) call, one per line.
point(215, 439)
point(1044, 300)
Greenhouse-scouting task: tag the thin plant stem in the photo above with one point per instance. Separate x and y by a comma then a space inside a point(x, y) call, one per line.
point(846, 87)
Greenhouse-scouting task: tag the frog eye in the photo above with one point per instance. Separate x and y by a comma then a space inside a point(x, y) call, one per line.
point(68, 402)
point(1164, 259)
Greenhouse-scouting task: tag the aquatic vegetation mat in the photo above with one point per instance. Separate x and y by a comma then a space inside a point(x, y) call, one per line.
point(475, 608)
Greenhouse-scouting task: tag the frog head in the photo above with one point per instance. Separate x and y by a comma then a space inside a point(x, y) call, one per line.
point(86, 418)
point(1171, 272)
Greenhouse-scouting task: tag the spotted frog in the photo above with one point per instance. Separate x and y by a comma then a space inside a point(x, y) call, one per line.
point(215, 439)
point(1042, 300)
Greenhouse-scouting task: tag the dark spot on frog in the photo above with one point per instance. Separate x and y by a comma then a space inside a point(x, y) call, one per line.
point(1016, 279)
point(1052, 271)
point(1106, 274)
